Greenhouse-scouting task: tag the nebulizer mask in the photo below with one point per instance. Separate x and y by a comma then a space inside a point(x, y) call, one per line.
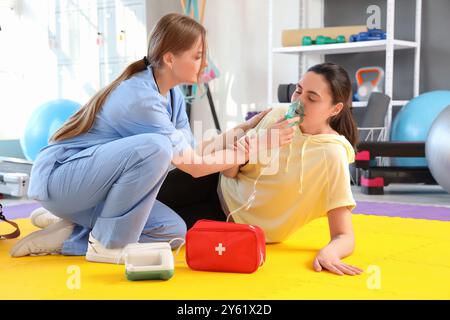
point(296, 109)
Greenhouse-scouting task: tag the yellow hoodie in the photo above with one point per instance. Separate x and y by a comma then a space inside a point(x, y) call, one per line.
point(294, 185)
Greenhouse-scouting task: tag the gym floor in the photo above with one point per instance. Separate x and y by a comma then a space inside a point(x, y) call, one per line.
point(408, 194)
point(402, 246)
point(394, 193)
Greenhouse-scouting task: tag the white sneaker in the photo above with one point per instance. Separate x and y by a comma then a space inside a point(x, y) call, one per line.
point(98, 253)
point(44, 242)
point(42, 218)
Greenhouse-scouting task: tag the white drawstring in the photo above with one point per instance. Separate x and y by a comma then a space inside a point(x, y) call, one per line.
point(301, 114)
point(288, 158)
point(253, 195)
point(250, 200)
point(300, 190)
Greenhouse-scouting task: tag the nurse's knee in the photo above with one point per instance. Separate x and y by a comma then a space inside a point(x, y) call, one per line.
point(154, 149)
point(180, 229)
point(173, 232)
point(177, 231)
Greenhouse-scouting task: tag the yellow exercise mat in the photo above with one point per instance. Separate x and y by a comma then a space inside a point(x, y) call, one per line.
point(403, 259)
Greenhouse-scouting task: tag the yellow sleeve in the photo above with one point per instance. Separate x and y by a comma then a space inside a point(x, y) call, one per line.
point(269, 119)
point(339, 193)
point(273, 116)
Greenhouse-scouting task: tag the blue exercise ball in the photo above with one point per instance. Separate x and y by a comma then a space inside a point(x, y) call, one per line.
point(414, 121)
point(43, 123)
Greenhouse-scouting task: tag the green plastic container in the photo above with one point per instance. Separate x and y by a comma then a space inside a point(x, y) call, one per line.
point(149, 261)
point(149, 275)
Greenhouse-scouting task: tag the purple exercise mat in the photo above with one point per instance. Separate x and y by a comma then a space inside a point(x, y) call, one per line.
point(403, 210)
point(363, 207)
point(20, 210)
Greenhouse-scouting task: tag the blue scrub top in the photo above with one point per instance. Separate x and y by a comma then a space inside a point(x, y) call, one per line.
point(134, 107)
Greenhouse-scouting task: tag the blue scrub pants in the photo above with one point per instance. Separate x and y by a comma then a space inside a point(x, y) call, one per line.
point(112, 191)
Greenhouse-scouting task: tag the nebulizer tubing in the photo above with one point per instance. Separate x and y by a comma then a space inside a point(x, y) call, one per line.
point(296, 108)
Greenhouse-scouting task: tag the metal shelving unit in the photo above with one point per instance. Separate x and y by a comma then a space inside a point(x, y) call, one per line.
point(388, 46)
point(94, 41)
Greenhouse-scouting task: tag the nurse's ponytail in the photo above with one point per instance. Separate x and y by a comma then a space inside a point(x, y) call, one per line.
point(173, 33)
point(341, 90)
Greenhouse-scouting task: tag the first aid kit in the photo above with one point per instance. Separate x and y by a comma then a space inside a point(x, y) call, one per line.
point(225, 247)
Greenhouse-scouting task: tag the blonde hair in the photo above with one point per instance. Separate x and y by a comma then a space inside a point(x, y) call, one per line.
point(173, 33)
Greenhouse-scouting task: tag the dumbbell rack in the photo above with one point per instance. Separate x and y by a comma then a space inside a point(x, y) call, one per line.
point(389, 46)
point(374, 178)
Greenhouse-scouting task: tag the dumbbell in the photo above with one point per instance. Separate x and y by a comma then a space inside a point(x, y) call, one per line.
point(307, 40)
point(340, 39)
point(329, 40)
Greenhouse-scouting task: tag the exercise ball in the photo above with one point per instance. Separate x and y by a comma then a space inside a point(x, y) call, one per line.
point(414, 120)
point(43, 123)
point(437, 149)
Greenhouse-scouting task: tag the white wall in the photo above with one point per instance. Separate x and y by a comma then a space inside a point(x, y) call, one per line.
point(237, 38)
point(30, 52)
point(238, 44)
point(27, 66)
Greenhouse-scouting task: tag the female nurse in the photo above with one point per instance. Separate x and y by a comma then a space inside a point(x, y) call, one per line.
point(101, 173)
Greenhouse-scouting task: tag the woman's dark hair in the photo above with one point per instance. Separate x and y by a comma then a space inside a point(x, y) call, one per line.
point(341, 91)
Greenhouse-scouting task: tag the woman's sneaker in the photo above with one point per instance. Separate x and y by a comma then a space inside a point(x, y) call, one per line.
point(98, 253)
point(42, 218)
point(43, 242)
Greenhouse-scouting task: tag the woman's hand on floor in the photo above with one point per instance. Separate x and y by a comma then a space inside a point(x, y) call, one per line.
point(329, 260)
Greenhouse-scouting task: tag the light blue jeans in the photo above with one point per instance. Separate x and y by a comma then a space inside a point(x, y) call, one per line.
point(112, 193)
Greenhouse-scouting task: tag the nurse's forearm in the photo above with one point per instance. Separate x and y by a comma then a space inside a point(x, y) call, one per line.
point(199, 166)
point(223, 140)
point(232, 172)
